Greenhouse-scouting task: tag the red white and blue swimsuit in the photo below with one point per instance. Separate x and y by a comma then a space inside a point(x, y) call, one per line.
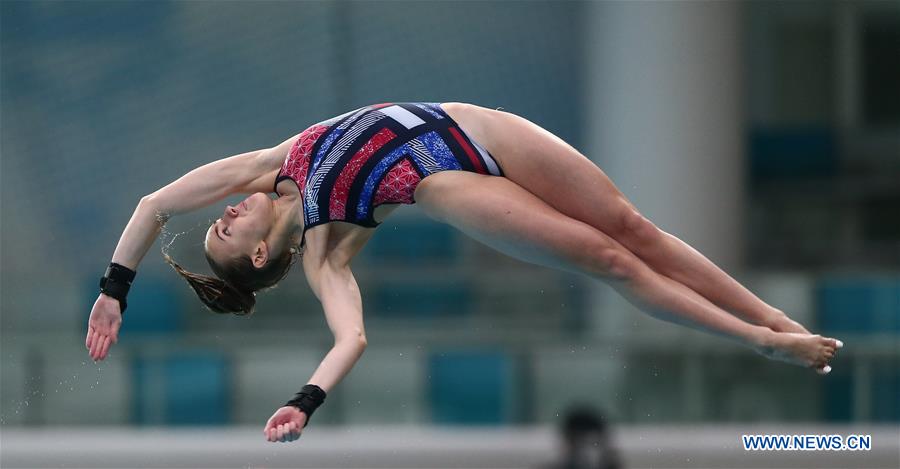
point(348, 165)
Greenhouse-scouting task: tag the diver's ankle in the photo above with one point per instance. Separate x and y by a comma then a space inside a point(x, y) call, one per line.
point(762, 337)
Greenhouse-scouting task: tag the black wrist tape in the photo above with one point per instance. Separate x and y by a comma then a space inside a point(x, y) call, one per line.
point(116, 282)
point(308, 400)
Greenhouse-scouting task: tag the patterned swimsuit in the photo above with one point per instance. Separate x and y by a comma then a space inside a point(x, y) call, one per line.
point(350, 164)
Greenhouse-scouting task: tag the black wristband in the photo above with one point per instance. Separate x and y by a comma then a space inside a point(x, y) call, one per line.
point(116, 282)
point(308, 400)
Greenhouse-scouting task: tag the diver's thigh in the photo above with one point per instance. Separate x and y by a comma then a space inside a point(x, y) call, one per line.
point(504, 216)
point(546, 165)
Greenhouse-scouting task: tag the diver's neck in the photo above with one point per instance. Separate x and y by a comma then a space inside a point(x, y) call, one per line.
point(290, 206)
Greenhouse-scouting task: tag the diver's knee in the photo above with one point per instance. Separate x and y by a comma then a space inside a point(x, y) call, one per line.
point(616, 263)
point(636, 228)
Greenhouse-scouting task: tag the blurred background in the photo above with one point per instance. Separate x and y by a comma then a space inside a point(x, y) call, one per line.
point(765, 134)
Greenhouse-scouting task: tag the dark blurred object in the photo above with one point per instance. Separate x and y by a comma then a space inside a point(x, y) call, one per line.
point(791, 153)
point(587, 442)
point(881, 68)
point(823, 141)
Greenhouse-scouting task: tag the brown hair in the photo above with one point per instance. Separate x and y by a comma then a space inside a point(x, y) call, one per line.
point(237, 292)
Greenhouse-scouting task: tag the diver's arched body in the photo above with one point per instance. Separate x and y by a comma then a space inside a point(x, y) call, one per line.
point(551, 206)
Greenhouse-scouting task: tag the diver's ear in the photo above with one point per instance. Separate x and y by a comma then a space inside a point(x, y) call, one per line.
point(261, 255)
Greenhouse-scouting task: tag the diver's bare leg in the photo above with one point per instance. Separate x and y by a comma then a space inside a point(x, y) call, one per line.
point(503, 215)
point(558, 174)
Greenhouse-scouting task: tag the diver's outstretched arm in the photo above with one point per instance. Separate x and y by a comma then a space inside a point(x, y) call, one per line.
point(248, 172)
point(252, 171)
point(338, 291)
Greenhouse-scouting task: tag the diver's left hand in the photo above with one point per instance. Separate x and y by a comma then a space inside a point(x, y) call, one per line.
point(103, 326)
point(285, 425)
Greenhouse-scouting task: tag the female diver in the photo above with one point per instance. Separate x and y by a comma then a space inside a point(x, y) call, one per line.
point(493, 175)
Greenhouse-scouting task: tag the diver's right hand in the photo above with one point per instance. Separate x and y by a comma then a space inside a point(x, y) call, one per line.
point(285, 425)
point(103, 326)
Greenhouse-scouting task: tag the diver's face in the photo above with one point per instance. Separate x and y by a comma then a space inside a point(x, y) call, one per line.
point(241, 229)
